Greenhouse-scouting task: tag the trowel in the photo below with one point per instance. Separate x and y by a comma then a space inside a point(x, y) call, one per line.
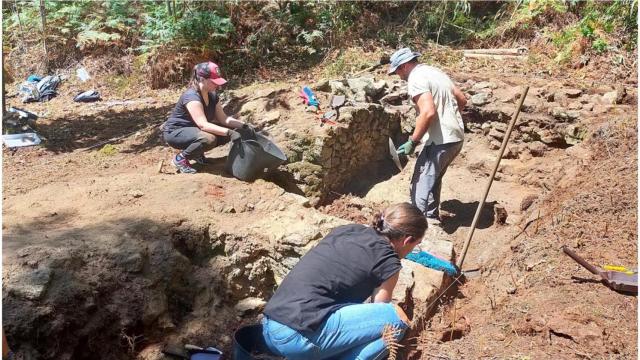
point(399, 159)
point(616, 280)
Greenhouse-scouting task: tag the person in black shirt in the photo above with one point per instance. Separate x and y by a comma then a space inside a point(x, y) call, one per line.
point(198, 122)
point(318, 312)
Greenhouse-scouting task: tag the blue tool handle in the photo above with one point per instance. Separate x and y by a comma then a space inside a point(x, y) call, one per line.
point(313, 101)
point(425, 259)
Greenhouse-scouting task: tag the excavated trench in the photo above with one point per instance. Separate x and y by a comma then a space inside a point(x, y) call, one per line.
point(190, 283)
point(182, 284)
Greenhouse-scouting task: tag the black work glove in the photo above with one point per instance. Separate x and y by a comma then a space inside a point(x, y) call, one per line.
point(234, 135)
point(247, 131)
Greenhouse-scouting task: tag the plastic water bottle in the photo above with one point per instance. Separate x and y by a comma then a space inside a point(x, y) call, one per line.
point(83, 74)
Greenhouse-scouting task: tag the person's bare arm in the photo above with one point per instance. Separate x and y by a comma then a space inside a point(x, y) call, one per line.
point(385, 291)
point(5, 346)
point(196, 110)
point(427, 112)
point(226, 120)
point(460, 98)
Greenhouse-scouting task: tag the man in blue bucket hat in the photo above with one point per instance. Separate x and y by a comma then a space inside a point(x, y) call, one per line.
point(438, 125)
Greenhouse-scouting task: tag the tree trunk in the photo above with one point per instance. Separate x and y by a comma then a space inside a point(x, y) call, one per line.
point(444, 14)
point(43, 18)
point(169, 10)
point(17, 12)
point(4, 98)
point(175, 11)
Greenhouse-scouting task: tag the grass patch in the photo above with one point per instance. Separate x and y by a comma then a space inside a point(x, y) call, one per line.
point(349, 61)
point(128, 85)
point(108, 150)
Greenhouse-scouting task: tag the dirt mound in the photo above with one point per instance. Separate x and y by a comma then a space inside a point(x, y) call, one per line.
point(535, 301)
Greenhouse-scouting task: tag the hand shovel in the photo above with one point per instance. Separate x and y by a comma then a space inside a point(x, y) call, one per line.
point(614, 279)
point(399, 160)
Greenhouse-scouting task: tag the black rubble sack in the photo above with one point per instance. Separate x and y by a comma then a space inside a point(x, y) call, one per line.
point(249, 344)
point(250, 156)
point(87, 96)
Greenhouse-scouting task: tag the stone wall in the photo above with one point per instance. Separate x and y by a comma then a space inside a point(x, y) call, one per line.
point(551, 117)
point(323, 158)
point(344, 151)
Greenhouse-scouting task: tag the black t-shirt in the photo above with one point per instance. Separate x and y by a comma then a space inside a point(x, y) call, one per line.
point(180, 116)
point(344, 268)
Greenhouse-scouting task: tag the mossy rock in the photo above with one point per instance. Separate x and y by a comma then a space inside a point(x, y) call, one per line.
point(304, 168)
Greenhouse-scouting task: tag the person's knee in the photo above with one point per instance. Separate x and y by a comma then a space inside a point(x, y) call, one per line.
point(169, 141)
point(206, 138)
point(402, 315)
point(395, 332)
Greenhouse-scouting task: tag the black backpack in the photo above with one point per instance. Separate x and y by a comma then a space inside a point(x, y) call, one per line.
point(87, 96)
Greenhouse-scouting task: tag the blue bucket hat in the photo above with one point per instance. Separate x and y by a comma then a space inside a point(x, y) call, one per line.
point(400, 57)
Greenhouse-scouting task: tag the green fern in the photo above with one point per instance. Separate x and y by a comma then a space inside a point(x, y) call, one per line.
point(310, 40)
point(91, 37)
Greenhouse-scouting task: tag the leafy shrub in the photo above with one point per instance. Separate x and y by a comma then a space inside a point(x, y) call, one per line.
point(204, 29)
point(348, 61)
point(311, 40)
point(599, 45)
point(108, 150)
point(261, 35)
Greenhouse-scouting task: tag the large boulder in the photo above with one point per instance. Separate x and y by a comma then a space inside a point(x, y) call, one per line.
point(482, 86)
point(480, 99)
point(30, 284)
point(614, 97)
point(418, 286)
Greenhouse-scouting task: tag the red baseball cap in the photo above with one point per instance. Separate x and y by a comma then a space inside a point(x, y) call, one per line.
point(209, 70)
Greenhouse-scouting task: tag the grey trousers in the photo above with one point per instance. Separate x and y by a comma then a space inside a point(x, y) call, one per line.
point(193, 141)
point(426, 182)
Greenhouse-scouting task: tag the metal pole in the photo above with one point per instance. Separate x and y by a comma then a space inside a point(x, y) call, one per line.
point(493, 174)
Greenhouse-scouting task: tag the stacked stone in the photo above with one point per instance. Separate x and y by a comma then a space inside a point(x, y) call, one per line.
point(349, 150)
point(549, 118)
point(329, 161)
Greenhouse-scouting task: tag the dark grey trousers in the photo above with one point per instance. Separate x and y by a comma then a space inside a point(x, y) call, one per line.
point(192, 141)
point(426, 182)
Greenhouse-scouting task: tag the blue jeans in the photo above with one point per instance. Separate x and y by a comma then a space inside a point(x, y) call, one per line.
point(351, 332)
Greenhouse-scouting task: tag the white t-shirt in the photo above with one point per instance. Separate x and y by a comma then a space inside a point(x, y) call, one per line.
point(447, 127)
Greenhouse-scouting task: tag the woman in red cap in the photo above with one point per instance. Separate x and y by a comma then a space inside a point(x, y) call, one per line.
point(198, 122)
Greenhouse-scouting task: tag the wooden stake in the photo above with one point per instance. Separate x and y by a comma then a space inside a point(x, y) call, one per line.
point(494, 56)
point(43, 29)
point(493, 174)
point(453, 323)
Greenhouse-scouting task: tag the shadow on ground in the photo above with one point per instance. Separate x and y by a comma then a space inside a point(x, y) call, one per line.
point(71, 132)
point(377, 172)
point(66, 134)
point(461, 215)
point(75, 291)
